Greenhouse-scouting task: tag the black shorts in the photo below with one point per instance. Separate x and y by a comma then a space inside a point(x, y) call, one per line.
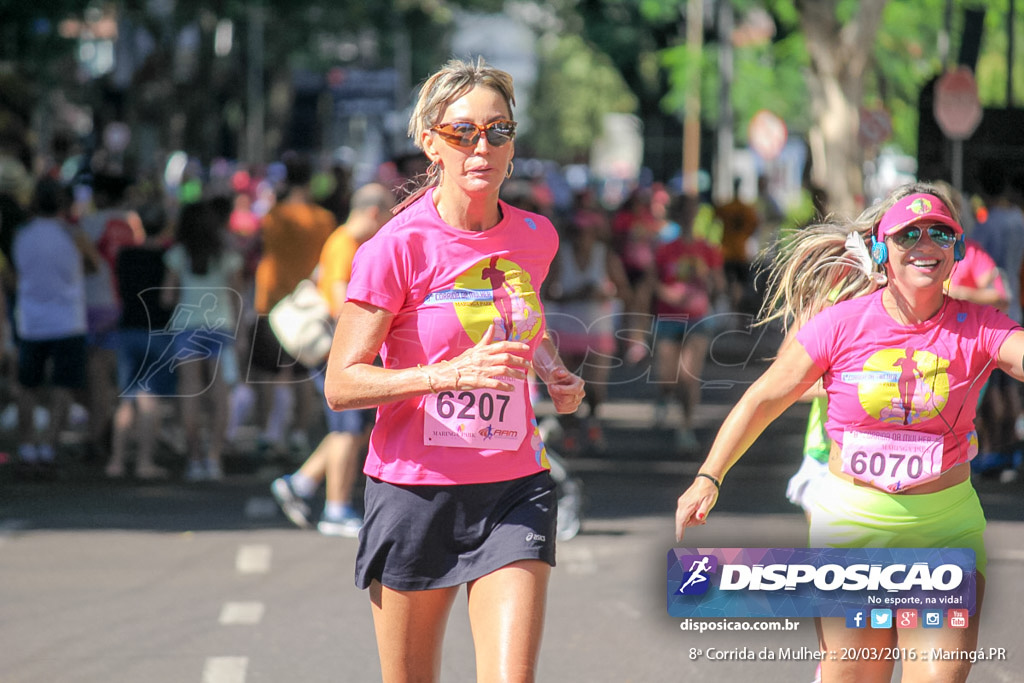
point(736, 271)
point(266, 353)
point(67, 356)
point(422, 537)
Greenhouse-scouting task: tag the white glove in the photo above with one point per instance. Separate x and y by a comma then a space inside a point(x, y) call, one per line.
point(810, 471)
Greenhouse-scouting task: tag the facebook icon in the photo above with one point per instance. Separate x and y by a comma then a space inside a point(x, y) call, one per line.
point(856, 618)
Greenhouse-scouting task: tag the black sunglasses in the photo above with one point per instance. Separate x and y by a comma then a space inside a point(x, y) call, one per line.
point(466, 134)
point(942, 235)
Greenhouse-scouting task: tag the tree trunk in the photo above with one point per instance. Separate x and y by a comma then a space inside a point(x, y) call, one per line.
point(840, 56)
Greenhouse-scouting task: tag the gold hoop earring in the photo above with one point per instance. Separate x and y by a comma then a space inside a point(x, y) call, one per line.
point(511, 167)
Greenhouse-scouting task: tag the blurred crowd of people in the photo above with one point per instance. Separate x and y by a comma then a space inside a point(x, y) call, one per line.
point(139, 310)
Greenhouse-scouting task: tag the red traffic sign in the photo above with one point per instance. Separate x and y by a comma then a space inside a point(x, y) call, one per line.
point(875, 126)
point(768, 134)
point(957, 109)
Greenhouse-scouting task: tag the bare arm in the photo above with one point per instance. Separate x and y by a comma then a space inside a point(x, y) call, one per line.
point(785, 381)
point(90, 256)
point(816, 390)
point(986, 293)
point(339, 290)
point(169, 289)
point(565, 389)
point(617, 274)
point(1011, 355)
point(135, 223)
point(353, 381)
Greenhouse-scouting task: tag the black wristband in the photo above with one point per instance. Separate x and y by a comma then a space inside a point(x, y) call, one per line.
point(718, 484)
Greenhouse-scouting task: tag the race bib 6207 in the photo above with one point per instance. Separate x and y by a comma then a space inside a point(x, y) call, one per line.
point(481, 418)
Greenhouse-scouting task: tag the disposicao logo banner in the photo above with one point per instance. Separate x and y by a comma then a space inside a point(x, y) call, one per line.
point(817, 582)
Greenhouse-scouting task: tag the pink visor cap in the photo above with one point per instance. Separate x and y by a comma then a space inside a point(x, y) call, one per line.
point(914, 209)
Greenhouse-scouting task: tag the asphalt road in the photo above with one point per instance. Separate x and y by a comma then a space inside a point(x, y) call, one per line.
point(177, 583)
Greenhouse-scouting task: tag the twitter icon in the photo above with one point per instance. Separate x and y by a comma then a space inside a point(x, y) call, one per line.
point(881, 618)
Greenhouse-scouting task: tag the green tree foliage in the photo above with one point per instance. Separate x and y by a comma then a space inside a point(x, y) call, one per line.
point(992, 66)
point(575, 88)
point(772, 75)
point(641, 40)
point(891, 63)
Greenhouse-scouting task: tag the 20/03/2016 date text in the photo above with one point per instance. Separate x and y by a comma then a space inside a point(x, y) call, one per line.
point(909, 654)
point(914, 654)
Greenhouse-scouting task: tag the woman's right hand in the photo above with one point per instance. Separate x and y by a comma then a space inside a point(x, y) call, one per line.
point(693, 506)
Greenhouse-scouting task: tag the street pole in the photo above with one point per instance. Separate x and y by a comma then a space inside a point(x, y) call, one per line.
point(255, 102)
point(691, 117)
point(1011, 22)
point(958, 165)
point(945, 33)
point(723, 165)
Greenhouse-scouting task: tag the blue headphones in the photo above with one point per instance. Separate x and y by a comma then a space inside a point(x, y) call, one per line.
point(880, 252)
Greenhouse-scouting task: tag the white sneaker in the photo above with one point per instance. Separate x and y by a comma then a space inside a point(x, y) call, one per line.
point(570, 501)
point(214, 472)
point(347, 527)
point(28, 453)
point(298, 442)
point(295, 507)
point(195, 471)
point(46, 453)
point(686, 440)
point(9, 418)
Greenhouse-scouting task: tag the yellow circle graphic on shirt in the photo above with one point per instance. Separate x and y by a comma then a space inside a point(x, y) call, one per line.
point(507, 300)
point(904, 386)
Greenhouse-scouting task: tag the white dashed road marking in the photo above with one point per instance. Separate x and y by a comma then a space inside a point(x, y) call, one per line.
point(1007, 555)
point(241, 613)
point(253, 559)
point(225, 669)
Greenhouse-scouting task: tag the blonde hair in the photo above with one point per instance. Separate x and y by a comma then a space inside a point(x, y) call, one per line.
point(452, 81)
point(816, 269)
point(455, 79)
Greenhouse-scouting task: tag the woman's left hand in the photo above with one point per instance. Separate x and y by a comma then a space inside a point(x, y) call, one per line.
point(565, 389)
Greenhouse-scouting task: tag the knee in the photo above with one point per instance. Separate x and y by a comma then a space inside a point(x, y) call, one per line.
point(508, 672)
point(936, 671)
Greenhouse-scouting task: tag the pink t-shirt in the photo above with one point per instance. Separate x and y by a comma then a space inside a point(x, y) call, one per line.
point(881, 375)
point(976, 267)
point(445, 286)
point(687, 267)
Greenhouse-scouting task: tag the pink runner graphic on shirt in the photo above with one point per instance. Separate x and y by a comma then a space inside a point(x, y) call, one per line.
point(902, 386)
point(494, 291)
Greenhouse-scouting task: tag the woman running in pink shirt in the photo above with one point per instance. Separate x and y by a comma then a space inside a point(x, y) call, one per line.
point(458, 489)
point(860, 349)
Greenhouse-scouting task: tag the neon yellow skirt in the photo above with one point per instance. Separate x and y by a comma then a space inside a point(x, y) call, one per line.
point(848, 516)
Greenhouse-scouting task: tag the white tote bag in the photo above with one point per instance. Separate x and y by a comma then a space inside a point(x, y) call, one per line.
point(302, 324)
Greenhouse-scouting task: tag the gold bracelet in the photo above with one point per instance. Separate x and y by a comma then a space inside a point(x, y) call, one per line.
point(458, 375)
point(430, 380)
